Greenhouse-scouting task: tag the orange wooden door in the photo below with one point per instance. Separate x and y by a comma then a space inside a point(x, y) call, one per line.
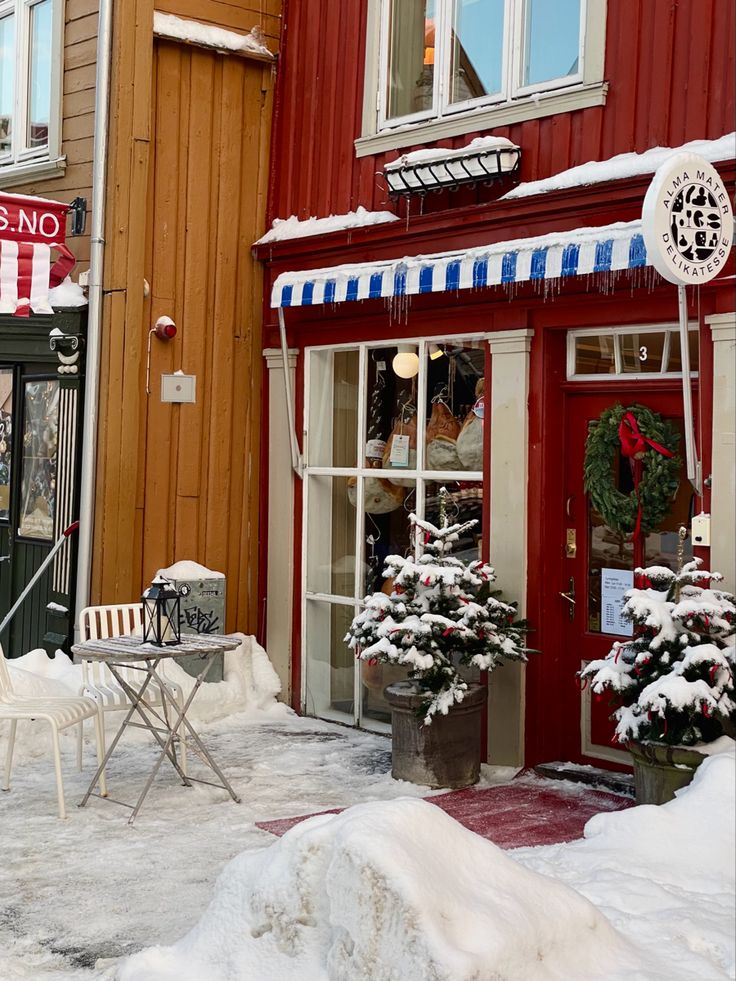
point(198, 478)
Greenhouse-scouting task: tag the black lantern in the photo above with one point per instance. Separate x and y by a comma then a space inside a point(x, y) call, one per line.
point(161, 613)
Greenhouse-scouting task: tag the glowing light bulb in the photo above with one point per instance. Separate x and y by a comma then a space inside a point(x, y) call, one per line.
point(406, 361)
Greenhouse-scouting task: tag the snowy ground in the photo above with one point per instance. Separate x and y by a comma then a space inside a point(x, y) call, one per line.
point(77, 895)
point(91, 887)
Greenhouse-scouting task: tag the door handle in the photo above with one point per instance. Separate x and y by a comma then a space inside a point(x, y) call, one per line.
point(570, 597)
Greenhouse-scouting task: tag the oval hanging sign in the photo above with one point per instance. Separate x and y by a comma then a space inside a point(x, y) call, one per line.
point(687, 220)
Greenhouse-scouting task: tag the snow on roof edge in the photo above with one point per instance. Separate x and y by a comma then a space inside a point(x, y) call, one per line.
point(284, 229)
point(195, 32)
point(619, 167)
point(624, 165)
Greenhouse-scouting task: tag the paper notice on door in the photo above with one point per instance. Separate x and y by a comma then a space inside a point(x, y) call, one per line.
point(614, 583)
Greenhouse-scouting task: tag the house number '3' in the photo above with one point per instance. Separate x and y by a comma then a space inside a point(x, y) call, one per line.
point(643, 354)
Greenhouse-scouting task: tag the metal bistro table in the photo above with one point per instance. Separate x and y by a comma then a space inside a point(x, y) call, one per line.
point(128, 653)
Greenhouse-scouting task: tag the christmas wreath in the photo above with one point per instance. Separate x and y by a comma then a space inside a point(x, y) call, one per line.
point(650, 443)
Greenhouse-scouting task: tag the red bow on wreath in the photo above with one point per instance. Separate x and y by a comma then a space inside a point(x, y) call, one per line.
point(633, 445)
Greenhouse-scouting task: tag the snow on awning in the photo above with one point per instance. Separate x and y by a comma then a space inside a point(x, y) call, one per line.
point(558, 256)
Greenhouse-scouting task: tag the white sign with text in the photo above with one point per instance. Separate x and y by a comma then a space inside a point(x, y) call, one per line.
point(614, 583)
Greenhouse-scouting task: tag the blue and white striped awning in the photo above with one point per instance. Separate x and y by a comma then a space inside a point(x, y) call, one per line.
point(605, 249)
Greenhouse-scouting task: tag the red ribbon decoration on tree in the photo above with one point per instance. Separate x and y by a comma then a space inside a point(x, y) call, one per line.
point(633, 445)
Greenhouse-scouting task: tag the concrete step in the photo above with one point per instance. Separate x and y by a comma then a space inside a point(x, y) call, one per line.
point(592, 776)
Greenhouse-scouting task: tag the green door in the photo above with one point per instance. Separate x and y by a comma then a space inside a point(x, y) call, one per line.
point(39, 454)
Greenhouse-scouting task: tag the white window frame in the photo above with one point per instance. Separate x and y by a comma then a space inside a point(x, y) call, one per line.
point(516, 102)
point(23, 162)
point(419, 474)
point(615, 333)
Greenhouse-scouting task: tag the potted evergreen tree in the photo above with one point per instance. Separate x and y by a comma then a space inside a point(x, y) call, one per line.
point(439, 617)
point(673, 682)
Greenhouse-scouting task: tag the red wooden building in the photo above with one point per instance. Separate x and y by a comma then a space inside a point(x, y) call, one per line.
point(520, 298)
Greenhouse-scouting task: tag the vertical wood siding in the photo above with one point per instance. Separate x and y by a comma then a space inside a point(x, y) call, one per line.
point(188, 181)
point(670, 68)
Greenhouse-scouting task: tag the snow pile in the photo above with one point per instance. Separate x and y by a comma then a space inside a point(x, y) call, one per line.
point(691, 837)
point(724, 744)
point(664, 876)
point(624, 165)
point(37, 674)
point(293, 227)
point(351, 897)
point(250, 684)
point(67, 294)
point(194, 32)
point(187, 569)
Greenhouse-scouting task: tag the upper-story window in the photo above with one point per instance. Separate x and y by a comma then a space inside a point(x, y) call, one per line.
point(30, 84)
point(439, 68)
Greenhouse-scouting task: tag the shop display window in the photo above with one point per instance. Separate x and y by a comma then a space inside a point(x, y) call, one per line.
point(330, 562)
point(330, 675)
point(333, 410)
point(387, 426)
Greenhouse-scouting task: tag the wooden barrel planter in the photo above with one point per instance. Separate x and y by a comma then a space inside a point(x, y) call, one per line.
point(445, 753)
point(660, 770)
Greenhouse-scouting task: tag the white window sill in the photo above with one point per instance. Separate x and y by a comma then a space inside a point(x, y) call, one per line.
point(546, 104)
point(31, 170)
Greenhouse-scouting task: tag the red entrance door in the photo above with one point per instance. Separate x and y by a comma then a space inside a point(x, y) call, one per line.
point(598, 567)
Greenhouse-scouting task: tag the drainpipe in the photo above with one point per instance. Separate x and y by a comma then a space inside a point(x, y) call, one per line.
point(94, 321)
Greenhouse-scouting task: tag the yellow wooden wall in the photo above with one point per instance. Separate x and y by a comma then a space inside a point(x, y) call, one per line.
point(187, 195)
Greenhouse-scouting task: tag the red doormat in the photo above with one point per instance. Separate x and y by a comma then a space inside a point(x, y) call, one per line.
point(511, 815)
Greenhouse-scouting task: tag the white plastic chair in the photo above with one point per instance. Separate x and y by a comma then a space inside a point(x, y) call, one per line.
point(99, 684)
point(59, 711)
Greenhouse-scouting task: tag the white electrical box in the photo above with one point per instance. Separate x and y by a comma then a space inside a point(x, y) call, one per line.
point(700, 531)
point(178, 388)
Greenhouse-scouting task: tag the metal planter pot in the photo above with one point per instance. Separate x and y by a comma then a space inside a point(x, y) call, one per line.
point(445, 753)
point(660, 770)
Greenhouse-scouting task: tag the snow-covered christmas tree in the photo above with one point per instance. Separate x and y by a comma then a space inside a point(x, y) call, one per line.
point(674, 681)
point(440, 615)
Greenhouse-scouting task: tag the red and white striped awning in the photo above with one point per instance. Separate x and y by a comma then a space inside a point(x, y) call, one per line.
point(30, 228)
